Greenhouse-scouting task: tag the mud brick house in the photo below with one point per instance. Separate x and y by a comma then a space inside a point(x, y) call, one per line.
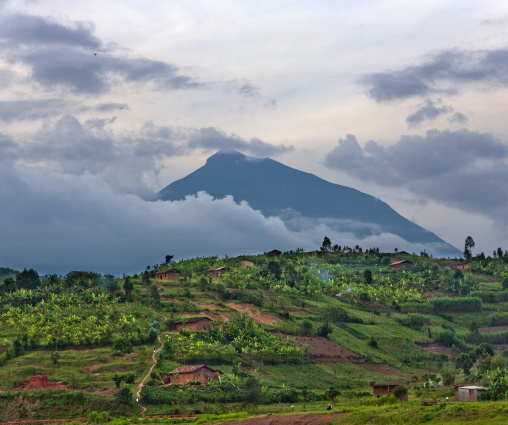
point(379, 390)
point(469, 393)
point(403, 264)
point(172, 274)
point(39, 382)
point(182, 375)
point(194, 324)
point(216, 271)
point(463, 266)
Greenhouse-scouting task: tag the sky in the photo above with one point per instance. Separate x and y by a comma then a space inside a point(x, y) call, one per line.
point(102, 104)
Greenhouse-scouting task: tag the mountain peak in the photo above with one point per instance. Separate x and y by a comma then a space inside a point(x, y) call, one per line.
point(225, 155)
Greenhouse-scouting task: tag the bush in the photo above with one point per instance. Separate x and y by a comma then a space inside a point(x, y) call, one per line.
point(324, 330)
point(400, 391)
point(372, 342)
point(414, 320)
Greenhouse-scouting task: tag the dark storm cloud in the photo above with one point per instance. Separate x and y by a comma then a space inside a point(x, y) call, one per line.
point(428, 111)
point(444, 72)
point(19, 110)
point(34, 31)
point(82, 71)
point(462, 168)
point(213, 139)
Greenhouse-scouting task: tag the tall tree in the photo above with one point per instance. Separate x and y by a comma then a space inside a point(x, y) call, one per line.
point(169, 259)
point(327, 244)
point(468, 246)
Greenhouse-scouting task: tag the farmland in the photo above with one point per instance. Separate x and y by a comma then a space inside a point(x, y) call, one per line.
point(302, 329)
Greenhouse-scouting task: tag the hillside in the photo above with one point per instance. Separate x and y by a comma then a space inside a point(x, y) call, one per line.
point(295, 196)
point(298, 328)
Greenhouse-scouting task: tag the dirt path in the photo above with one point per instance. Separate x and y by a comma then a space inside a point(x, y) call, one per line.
point(300, 419)
point(142, 383)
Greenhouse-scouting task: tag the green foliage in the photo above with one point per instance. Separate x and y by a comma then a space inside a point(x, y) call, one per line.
point(97, 418)
point(414, 320)
point(455, 305)
point(55, 357)
point(125, 396)
point(324, 330)
point(242, 339)
point(497, 382)
point(28, 279)
point(400, 391)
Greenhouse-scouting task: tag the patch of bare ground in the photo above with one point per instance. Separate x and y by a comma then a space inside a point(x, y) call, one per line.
point(205, 305)
point(447, 351)
point(491, 329)
point(94, 367)
point(326, 351)
point(501, 347)
point(300, 419)
point(258, 316)
point(383, 369)
point(173, 300)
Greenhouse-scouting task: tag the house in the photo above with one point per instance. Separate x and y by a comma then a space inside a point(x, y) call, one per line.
point(172, 274)
point(463, 266)
point(379, 390)
point(194, 324)
point(274, 253)
point(216, 271)
point(469, 393)
point(246, 263)
point(185, 374)
point(401, 264)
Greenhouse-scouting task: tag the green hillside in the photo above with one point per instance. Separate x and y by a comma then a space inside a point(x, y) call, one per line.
point(303, 329)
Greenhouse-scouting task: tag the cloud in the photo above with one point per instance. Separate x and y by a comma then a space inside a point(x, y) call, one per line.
point(37, 31)
point(430, 110)
point(213, 139)
point(58, 223)
point(462, 169)
point(443, 72)
point(123, 160)
point(19, 110)
point(82, 71)
point(108, 107)
point(459, 118)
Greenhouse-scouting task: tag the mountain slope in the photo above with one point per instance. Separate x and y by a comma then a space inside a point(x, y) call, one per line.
point(278, 190)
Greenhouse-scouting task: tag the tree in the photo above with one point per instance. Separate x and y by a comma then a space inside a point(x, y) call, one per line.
point(367, 276)
point(468, 246)
point(55, 357)
point(324, 330)
point(400, 392)
point(128, 287)
point(145, 280)
point(169, 259)
point(28, 279)
point(326, 245)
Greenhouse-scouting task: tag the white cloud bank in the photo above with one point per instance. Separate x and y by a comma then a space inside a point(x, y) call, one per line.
point(56, 223)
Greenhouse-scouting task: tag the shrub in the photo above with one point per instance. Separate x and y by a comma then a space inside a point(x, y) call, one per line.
point(372, 342)
point(400, 391)
point(324, 330)
point(414, 321)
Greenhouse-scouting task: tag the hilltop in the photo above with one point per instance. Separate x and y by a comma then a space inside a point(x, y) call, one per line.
point(297, 197)
point(295, 327)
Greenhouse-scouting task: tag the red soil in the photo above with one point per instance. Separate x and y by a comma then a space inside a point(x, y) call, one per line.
point(493, 329)
point(258, 316)
point(40, 382)
point(326, 351)
point(383, 369)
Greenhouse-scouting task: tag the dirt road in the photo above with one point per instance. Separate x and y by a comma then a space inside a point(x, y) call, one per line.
point(301, 419)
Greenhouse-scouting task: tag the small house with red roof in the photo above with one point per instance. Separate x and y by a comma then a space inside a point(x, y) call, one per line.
point(403, 264)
